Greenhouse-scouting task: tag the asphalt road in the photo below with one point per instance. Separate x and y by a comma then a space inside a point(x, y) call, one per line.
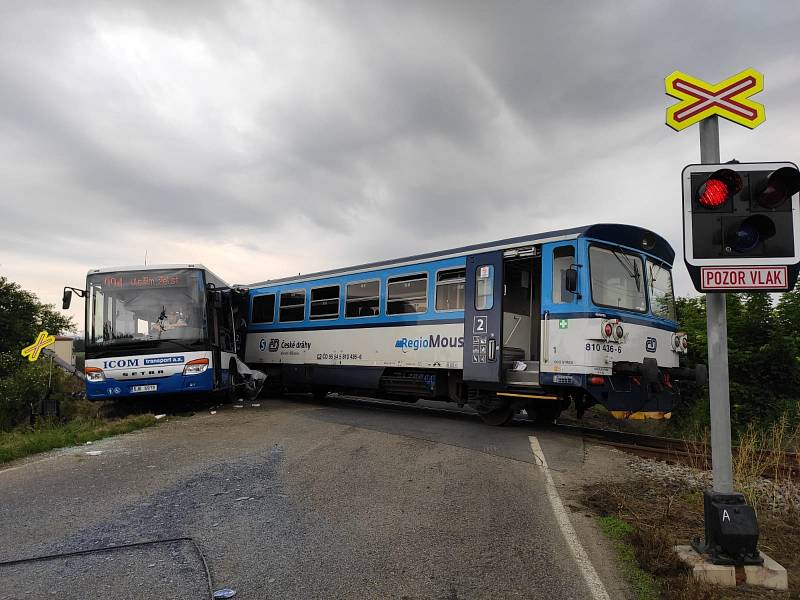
point(293, 499)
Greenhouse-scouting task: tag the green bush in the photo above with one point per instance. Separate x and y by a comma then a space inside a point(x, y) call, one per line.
point(21, 388)
point(763, 359)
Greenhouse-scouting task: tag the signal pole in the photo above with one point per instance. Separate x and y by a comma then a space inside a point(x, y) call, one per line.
point(718, 386)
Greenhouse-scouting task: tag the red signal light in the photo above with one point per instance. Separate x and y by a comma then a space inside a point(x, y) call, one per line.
point(715, 193)
point(608, 330)
point(722, 185)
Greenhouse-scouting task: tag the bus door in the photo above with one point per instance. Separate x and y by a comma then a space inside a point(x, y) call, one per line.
point(483, 317)
point(214, 304)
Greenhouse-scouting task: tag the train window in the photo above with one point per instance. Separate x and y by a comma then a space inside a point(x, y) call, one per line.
point(363, 299)
point(324, 303)
point(450, 289)
point(407, 294)
point(484, 287)
point(563, 259)
point(292, 307)
point(662, 296)
point(617, 278)
point(264, 308)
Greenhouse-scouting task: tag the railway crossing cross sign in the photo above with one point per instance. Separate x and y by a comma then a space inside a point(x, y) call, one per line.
point(43, 340)
point(729, 99)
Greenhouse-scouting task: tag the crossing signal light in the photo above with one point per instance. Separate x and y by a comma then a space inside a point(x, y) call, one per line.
point(719, 188)
point(742, 214)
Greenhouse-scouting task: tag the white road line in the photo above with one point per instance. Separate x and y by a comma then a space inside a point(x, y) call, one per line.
point(590, 576)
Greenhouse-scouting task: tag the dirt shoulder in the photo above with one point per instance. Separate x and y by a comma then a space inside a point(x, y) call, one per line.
point(657, 506)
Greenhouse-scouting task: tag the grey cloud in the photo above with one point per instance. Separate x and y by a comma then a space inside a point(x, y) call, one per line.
point(348, 132)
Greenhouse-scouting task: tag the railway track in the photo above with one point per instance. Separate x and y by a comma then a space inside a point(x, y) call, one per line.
point(696, 454)
point(670, 450)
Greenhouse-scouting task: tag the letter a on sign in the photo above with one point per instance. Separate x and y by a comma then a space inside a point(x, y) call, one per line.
point(728, 99)
point(725, 516)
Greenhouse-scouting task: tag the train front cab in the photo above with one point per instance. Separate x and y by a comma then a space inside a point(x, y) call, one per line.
point(584, 320)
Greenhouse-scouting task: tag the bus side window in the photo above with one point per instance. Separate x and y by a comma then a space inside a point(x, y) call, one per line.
point(563, 259)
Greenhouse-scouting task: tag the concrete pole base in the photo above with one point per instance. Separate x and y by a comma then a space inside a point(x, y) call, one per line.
point(769, 575)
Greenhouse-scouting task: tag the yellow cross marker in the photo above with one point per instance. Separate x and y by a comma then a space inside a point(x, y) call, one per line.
point(728, 99)
point(42, 341)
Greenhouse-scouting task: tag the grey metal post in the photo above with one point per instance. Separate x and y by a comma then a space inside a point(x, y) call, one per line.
point(718, 387)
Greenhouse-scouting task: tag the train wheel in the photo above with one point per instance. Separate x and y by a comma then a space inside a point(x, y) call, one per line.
point(543, 414)
point(498, 415)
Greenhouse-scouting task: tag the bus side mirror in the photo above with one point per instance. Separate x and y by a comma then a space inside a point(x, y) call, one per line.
point(66, 299)
point(217, 299)
point(571, 280)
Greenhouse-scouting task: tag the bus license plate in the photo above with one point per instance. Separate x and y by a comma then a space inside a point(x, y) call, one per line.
point(143, 388)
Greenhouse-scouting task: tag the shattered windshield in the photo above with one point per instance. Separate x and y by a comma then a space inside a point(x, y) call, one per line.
point(146, 308)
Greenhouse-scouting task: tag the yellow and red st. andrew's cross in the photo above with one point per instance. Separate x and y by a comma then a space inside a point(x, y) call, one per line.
point(42, 341)
point(728, 99)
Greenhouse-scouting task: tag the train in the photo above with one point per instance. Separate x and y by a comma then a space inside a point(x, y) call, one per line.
point(578, 316)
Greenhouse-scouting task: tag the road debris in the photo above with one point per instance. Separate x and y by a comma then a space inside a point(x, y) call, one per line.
point(158, 417)
point(94, 452)
point(224, 593)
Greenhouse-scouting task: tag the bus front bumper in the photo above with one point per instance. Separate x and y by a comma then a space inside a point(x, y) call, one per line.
point(172, 384)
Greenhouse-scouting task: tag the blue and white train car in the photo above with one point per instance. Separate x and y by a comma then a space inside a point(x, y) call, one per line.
point(582, 315)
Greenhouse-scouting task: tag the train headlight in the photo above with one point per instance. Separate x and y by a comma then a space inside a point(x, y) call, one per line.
point(619, 332)
point(195, 367)
point(94, 374)
point(680, 342)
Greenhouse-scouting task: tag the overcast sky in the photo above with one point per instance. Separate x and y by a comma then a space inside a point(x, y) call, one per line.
point(269, 138)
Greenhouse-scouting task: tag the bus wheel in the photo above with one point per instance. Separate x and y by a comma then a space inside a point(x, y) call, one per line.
point(235, 384)
point(497, 415)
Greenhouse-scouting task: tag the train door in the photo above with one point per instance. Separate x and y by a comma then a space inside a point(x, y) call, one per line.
point(483, 317)
point(557, 299)
point(521, 308)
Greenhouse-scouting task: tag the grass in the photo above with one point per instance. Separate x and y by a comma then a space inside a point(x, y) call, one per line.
point(47, 436)
point(620, 533)
point(646, 518)
point(759, 452)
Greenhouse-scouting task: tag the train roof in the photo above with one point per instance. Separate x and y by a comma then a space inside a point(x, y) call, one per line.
point(214, 278)
point(625, 235)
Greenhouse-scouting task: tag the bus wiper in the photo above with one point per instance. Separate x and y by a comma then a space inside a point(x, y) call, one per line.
point(184, 345)
point(633, 272)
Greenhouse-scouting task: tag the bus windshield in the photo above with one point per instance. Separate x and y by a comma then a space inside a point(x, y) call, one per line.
point(662, 298)
point(161, 309)
point(617, 279)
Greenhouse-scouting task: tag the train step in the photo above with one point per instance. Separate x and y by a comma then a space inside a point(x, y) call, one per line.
point(529, 376)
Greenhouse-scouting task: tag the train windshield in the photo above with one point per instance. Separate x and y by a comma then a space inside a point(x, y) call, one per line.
point(617, 279)
point(662, 297)
point(162, 309)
